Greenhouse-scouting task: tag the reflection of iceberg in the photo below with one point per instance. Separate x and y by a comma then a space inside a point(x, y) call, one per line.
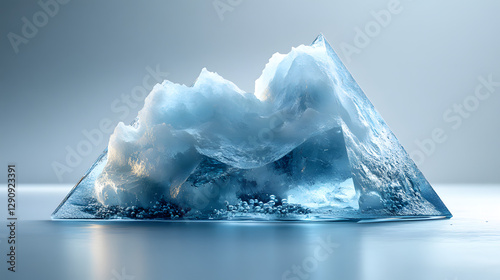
point(308, 145)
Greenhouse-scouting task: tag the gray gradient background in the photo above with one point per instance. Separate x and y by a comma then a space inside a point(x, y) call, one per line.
point(65, 79)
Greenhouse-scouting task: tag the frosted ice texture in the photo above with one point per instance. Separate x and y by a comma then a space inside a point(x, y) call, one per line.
point(306, 145)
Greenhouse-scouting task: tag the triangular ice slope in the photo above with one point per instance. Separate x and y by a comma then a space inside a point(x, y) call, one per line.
point(307, 145)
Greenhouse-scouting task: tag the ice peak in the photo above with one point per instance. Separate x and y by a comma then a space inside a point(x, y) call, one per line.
point(320, 40)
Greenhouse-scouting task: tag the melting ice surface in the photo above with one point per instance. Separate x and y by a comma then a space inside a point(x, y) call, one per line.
point(307, 145)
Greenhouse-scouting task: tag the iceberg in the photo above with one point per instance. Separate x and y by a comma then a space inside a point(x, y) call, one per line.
point(306, 145)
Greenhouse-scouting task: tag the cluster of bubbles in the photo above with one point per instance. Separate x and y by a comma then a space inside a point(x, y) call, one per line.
point(255, 206)
point(160, 210)
point(163, 210)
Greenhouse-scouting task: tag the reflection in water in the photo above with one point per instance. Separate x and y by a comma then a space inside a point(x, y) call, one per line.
point(465, 247)
point(149, 250)
point(202, 250)
point(101, 259)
